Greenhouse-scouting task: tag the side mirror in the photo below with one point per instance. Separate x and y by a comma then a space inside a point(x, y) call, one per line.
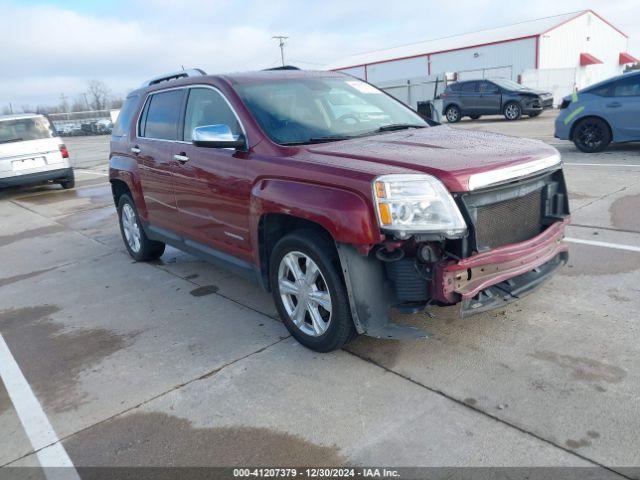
point(216, 136)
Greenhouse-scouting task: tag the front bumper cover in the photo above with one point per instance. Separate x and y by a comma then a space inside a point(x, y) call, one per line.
point(465, 279)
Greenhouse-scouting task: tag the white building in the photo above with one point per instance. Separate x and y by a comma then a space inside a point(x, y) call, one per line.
point(558, 53)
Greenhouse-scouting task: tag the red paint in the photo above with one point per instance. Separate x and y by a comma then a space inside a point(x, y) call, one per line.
point(509, 261)
point(588, 59)
point(219, 197)
point(625, 58)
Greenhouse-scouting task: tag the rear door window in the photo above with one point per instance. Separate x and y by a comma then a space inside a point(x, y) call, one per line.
point(488, 87)
point(468, 87)
point(162, 114)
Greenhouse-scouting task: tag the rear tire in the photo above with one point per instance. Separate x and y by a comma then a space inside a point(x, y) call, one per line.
point(512, 111)
point(139, 246)
point(591, 135)
point(453, 114)
point(69, 182)
point(309, 292)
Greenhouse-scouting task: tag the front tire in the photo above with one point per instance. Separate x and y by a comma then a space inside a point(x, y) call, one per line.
point(591, 135)
point(139, 246)
point(512, 111)
point(453, 114)
point(309, 292)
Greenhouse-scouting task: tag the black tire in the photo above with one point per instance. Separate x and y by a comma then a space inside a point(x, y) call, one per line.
point(591, 135)
point(474, 117)
point(512, 111)
point(453, 114)
point(148, 249)
point(69, 182)
point(314, 245)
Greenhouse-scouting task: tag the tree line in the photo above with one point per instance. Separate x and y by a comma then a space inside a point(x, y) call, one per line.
point(97, 96)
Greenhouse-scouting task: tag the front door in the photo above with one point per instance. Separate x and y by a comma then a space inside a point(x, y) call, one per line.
point(211, 185)
point(489, 101)
point(157, 134)
point(622, 108)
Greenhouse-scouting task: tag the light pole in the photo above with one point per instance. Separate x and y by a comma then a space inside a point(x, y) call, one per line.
point(281, 39)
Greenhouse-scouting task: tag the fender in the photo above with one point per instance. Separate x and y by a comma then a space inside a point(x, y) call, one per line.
point(344, 214)
point(125, 169)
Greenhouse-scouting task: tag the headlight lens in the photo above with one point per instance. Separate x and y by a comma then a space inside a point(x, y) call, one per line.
point(408, 203)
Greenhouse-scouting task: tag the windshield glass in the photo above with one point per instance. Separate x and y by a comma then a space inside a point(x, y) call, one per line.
point(311, 110)
point(19, 129)
point(508, 84)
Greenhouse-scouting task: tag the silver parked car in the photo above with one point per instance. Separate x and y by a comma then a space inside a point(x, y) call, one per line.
point(31, 152)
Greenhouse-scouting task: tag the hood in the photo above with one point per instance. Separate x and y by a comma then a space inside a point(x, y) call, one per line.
point(452, 155)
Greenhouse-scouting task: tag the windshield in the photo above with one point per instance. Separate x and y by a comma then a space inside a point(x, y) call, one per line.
point(312, 110)
point(508, 84)
point(30, 128)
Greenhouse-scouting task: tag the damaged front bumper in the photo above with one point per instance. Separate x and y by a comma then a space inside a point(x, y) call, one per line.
point(491, 279)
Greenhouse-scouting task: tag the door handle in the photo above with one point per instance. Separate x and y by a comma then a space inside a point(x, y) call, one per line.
point(182, 158)
point(135, 150)
point(614, 105)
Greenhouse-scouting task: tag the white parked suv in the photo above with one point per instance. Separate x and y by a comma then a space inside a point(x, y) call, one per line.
point(31, 152)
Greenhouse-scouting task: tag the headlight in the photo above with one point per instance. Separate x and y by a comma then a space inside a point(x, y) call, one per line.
point(408, 203)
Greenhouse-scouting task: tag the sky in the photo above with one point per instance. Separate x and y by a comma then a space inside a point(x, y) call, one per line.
point(49, 48)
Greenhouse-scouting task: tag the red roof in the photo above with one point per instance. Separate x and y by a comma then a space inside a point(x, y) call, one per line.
point(627, 58)
point(588, 59)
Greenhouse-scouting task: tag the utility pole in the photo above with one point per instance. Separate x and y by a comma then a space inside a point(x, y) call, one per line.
point(86, 102)
point(63, 100)
point(281, 39)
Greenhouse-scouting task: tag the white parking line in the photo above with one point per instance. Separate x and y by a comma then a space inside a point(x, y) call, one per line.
point(618, 246)
point(91, 172)
point(602, 164)
point(34, 421)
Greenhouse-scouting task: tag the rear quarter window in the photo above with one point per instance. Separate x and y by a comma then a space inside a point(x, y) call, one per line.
point(123, 122)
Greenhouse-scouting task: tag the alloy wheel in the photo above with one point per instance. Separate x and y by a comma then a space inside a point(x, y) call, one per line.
point(304, 293)
point(130, 227)
point(590, 135)
point(512, 111)
point(452, 115)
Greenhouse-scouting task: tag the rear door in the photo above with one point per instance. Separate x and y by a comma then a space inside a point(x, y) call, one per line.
point(469, 98)
point(489, 98)
point(211, 185)
point(623, 108)
point(153, 147)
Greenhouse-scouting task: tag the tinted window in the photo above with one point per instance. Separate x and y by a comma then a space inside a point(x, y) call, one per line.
point(207, 107)
point(469, 87)
point(454, 87)
point(488, 87)
point(19, 129)
point(163, 113)
point(603, 90)
point(627, 87)
point(123, 121)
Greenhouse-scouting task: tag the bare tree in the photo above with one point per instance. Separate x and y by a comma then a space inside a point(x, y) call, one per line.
point(26, 108)
point(98, 94)
point(79, 104)
point(6, 110)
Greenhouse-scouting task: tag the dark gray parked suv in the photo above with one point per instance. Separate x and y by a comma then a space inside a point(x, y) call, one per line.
point(474, 98)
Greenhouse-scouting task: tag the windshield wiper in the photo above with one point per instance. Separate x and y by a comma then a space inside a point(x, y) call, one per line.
point(11, 140)
point(399, 126)
point(331, 138)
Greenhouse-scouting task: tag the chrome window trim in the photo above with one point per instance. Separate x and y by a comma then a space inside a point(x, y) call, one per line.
point(187, 87)
point(501, 175)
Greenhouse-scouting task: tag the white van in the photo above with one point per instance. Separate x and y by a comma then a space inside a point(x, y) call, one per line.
point(31, 152)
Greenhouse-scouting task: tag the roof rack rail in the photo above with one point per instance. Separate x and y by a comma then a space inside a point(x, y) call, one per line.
point(192, 72)
point(284, 67)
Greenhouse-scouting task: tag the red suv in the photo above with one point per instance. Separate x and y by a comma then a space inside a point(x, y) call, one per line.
point(340, 200)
